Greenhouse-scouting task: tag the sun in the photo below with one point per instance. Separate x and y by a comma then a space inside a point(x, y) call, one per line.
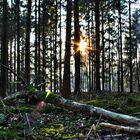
point(82, 46)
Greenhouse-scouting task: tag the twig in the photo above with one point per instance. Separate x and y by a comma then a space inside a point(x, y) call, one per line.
point(39, 85)
point(99, 121)
point(94, 127)
point(4, 106)
point(117, 136)
point(24, 134)
point(20, 78)
point(28, 121)
point(135, 114)
point(5, 137)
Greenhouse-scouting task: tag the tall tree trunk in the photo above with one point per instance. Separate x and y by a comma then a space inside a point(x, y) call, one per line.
point(118, 63)
point(51, 65)
point(36, 58)
point(60, 52)
point(10, 65)
point(38, 46)
point(4, 50)
point(130, 50)
point(18, 39)
point(27, 45)
point(76, 46)
point(66, 78)
point(60, 49)
point(92, 56)
point(137, 71)
point(45, 16)
point(89, 44)
point(97, 24)
point(55, 49)
point(109, 60)
point(103, 43)
point(14, 64)
point(121, 49)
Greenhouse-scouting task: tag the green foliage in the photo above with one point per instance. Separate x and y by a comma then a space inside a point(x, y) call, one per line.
point(132, 109)
point(58, 133)
point(118, 103)
point(32, 90)
point(8, 133)
point(2, 118)
point(133, 101)
point(23, 108)
point(53, 132)
point(107, 104)
point(49, 96)
point(133, 104)
point(51, 108)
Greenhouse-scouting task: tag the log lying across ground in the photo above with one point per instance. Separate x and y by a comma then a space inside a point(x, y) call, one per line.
point(119, 128)
point(89, 110)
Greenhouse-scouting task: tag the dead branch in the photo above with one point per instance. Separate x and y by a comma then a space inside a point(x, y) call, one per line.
point(88, 110)
point(122, 129)
point(20, 78)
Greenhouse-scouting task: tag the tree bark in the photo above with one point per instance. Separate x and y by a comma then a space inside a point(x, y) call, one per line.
point(18, 40)
point(88, 110)
point(97, 24)
point(120, 128)
point(121, 47)
point(130, 50)
point(76, 46)
point(4, 51)
point(27, 45)
point(66, 80)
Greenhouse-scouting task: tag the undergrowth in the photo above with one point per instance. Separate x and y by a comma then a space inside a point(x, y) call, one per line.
point(59, 124)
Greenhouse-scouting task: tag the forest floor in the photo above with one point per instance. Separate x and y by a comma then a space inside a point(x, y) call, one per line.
point(17, 120)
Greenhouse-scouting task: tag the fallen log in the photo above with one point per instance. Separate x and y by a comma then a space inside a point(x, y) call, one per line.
point(17, 95)
point(89, 110)
point(122, 129)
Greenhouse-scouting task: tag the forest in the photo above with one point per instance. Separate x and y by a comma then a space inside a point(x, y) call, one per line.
point(69, 69)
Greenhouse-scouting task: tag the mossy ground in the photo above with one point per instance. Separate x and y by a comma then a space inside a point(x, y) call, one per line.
point(118, 103)
point(59, 124)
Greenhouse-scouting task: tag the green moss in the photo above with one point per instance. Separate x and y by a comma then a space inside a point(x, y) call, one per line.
point(120, 95)
point(133, 101)
point(25, 109)
point(9, 133)
point(32, 90)
point(126, 105)
point(132, 109)
point(56, 125)
point(49, 96)
point(70, 136)
point(21, 109)
point(108, 104)
point(59, 133)
point(18, 125)
point(54, 133)
point(53, 130)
